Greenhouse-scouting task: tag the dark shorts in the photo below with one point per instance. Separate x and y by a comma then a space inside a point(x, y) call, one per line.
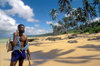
point(16, 55)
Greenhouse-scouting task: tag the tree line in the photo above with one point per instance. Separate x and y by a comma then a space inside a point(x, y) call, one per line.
point(77, 18)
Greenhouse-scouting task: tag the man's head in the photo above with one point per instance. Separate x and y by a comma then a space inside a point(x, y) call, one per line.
point(21, 28)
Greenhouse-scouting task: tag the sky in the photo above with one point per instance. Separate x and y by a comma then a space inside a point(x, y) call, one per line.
point(34, 14)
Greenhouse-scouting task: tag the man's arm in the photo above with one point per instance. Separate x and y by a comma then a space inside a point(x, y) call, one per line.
point(28, 52)
point(28, 55)
point(14, 42)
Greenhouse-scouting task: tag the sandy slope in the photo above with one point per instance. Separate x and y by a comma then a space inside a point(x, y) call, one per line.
point(60, 52)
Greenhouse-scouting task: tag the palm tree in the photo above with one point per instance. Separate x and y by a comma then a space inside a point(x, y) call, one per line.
point(65, 5)
point(90, 9)
point(62, 27)
point(55, 30)
point(79, 13)
point(80, 16)
point(99, 9)
point(53, 14)
point(97, 3)
point(86, 6)
point(66, 21)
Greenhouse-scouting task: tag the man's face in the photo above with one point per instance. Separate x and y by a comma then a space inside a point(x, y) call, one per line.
point(21, 29)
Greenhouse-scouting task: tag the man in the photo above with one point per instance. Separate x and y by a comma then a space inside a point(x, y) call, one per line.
point(19, 44)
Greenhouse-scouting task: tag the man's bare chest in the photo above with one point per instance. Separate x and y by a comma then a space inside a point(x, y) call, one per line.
point(21, 38)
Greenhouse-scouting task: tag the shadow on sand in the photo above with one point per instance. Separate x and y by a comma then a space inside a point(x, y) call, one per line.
point(40, 57)
point(46, 56)
point(81, 59)
point(36, 44)
point(7, 59)
point(91, 47)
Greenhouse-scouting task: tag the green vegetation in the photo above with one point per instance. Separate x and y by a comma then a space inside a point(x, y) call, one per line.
point(78, 20)
point(95, 28)
point(47, 34)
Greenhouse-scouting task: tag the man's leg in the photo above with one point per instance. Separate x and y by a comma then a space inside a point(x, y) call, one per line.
point(13, 63)
point(21, 60)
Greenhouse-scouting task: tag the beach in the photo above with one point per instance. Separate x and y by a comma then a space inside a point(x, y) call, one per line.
point(60, 50)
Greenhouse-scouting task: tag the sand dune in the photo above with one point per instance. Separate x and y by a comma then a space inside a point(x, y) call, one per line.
point(79, 50)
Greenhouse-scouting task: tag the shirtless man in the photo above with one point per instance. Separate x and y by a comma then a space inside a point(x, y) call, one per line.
point(18, 54)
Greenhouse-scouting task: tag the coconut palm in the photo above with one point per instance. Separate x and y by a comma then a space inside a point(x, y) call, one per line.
point(79, 13)
point(89, 10)
point(97, 3)
point(65, 19)
point(53, 14)
point(86, 6)
point(55, 30)
point(78, 16)
point(65, 5)
point(62, 27)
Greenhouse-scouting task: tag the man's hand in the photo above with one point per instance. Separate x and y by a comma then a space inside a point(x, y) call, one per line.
point(28, 57)
point(15, 34)
point(14, 40)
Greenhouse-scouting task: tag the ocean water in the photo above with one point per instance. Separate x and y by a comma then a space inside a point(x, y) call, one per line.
point(3, 40)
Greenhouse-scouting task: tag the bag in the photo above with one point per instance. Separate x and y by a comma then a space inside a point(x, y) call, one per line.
point(8, 45)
